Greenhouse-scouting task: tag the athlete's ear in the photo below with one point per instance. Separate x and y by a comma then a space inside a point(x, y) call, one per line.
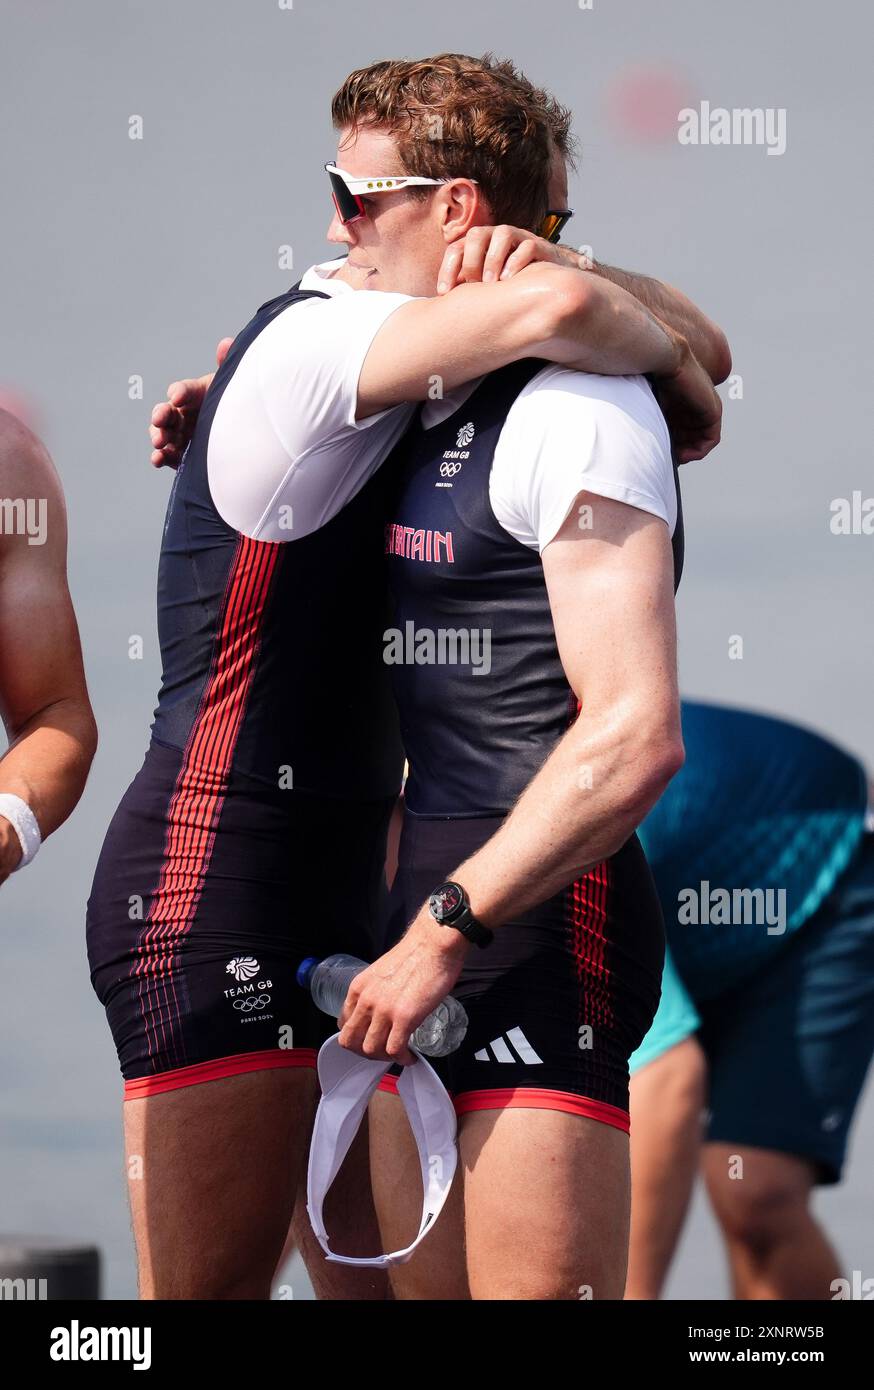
point(460, 206)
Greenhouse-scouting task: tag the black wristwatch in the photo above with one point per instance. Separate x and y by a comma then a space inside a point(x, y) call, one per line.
point(450, 906)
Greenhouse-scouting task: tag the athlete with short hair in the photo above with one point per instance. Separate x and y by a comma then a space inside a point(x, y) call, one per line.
point(315, 430)
point(766, 876)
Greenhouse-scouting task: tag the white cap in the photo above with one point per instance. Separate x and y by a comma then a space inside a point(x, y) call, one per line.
point(348, 1081)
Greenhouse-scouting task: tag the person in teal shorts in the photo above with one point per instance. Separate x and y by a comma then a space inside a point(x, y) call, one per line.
point(764, 861)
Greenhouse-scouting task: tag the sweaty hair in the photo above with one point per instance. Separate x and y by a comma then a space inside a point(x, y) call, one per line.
point(453, 116)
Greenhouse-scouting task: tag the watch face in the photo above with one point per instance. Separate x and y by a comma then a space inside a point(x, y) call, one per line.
point(445, 900)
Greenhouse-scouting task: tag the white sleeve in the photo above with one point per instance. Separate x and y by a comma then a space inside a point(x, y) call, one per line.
point(285, 437)
point(570, 432)
point(309, 360)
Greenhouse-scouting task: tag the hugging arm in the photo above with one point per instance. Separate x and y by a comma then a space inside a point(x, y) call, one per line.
point(551, 311)
point(490, 253)
point(705, 338)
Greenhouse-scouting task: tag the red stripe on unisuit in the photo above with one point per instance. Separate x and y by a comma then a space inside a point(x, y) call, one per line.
point(529, 1098)
point(215, 1070)
point(201, 785)
point(532, 1098)
point(389, 1084)
point(587, 902)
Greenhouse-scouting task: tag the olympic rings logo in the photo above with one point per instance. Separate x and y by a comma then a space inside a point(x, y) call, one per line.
point(449, 470)
point(254, 1001)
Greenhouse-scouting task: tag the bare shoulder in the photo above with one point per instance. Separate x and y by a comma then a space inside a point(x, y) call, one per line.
point(23, 455)
point(31, 496)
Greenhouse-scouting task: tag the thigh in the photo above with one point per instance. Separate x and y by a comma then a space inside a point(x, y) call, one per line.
point(539, 1208)
point(546, 1197)
point(351, 1220)
point(437, 1268)
point(212, 1175)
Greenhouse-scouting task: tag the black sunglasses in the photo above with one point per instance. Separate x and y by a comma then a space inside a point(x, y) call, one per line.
point(555, 222)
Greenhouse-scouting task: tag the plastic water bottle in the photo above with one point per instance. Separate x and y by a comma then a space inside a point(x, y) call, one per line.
point(328, 982)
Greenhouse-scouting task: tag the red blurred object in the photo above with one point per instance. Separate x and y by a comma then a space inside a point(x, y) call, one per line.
point(19, 406)
point(644, 102)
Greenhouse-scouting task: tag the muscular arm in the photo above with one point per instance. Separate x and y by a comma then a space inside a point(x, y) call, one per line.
point(544, 310)
point(43, 696)
point(547, 311)
point(485, 253)
point(705, 338)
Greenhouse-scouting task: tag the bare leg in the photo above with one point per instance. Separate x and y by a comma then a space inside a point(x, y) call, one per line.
point(350, 1219)
point(437, 1270)
point(546, 1205)
point(545, 1214)
point(212, 1175)
point(667, 1098)
point(775, 1247)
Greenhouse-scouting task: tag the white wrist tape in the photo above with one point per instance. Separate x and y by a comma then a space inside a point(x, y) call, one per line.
point(24, 823)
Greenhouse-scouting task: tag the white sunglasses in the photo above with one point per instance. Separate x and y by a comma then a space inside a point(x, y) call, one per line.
point(347, 190)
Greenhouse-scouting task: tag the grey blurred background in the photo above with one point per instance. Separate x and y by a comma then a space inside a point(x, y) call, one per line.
point(131, 258)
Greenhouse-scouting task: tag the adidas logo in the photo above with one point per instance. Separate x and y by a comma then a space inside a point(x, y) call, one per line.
point(502, 1052)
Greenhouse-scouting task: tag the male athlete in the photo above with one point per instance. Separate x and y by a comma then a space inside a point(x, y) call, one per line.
point(294, 428)
point(43, 696)
point(766, 878)
point(535, 516)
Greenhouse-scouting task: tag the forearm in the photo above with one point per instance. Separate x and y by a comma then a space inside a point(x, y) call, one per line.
point(705, 338)
point(579, 809)
point(612, 333)
point(546, 311)
point(48, 761)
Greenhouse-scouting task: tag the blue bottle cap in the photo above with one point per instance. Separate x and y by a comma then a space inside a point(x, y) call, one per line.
point(305, 970)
